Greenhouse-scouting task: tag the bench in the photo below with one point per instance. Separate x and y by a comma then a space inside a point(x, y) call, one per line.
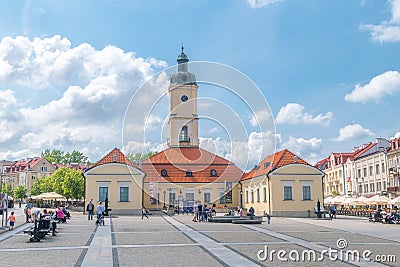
point(39, 230)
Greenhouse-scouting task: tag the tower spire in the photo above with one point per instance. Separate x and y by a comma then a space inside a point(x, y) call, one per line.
point(182, 48)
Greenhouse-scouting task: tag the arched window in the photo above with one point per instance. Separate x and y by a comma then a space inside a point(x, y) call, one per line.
point(184, 134)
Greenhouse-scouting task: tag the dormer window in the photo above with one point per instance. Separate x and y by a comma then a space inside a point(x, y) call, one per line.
point(213, 172)
point(164, 173)
point(189, 173)
point(114, 158)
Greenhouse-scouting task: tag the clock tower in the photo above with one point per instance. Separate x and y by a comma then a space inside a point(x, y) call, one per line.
point(183, 119)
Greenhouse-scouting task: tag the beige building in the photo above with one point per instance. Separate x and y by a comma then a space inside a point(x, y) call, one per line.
point(336, 182)
point(25, 172)
point(393, 171)
point(119, 180)
point(283, 185)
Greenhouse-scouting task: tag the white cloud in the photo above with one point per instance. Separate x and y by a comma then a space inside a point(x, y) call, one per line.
point(96, 88)
point(260, 117)
point(213, 130)
point(293, 113)
point(260, 3)
point(245, 153)
point(396, 135)
point(387, 83)
point(308, 149)
point(7, 98)
point(352, 132)
point(386, 31)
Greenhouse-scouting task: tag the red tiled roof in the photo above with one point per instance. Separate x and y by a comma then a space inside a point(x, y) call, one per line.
point(274, 161)
point(109, 158)
point(321, 163)
point(176, 161)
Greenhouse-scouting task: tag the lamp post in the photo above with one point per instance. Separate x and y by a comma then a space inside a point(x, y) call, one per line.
point(165, 207)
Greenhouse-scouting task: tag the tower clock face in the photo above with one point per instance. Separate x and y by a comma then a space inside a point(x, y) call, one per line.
point(184, 98)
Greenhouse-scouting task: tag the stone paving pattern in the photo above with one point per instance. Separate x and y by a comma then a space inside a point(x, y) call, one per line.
point(171, 241)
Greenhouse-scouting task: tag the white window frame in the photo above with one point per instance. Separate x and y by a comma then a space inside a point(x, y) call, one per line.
point(287, 183)
point(103, 184)
point(124, 184)
point(307, 183)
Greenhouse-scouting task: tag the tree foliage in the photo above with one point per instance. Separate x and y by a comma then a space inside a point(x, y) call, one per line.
point(20, 192)
point(60, 157)
point(139, 157)
point(64, 181)
point(7, 189)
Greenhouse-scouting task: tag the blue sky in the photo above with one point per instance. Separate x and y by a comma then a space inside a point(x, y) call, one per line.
point(329, 69)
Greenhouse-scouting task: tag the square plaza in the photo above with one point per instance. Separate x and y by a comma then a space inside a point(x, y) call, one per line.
point(164, 240)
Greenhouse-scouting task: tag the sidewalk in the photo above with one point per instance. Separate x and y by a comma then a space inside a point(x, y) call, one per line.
point(19, 218)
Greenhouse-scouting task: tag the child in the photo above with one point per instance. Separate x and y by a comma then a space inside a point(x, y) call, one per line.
point(11, 218)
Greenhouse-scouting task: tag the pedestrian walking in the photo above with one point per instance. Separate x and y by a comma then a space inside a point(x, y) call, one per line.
point(11, 218)
point(144, 212)
point(90, 209)
point(268, 217)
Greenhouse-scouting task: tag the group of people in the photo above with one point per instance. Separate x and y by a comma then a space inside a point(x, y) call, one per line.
point(201, 212)
point(31, 214)
point(91, 209)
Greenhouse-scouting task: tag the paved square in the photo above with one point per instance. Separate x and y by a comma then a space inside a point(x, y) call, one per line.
point(178, 241)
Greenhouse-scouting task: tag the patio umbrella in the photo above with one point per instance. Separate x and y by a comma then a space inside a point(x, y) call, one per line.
point(338, 200)
point(395, 201)
point(378, 200)
point(51, 196)
point(360, 200)
point(328, 200)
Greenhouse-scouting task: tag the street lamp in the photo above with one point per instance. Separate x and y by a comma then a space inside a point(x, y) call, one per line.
point(165, 207)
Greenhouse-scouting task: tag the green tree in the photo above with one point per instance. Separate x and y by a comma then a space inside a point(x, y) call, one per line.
point(20, 192)
point(139, 157)
point(7, 189)
point(75, 157)
point(73, 185)
point(42, 185)
point(68, 182)
point(55, 155)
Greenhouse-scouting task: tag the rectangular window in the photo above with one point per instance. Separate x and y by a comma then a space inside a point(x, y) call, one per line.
point(103, 192)
point(265, 194)
point(158, 197)
point(43, 169)
point(207, 197)
point(365, 172)
point(378, 186)
point(287, 193)
point(366, 188)
point(247, 196)
point(384, 186)
point(306, 192)
point(252, 196)
point(383, 167)
point(258, 194)
point(171, 197)
point(372, 187)
point(359, 173)
point(222, 198)
point(124, 194)
point(377, 168)
point(370, 170)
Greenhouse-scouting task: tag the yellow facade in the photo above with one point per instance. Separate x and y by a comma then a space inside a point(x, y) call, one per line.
point(266, 193)
point(170, 194)
point(113, 177)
